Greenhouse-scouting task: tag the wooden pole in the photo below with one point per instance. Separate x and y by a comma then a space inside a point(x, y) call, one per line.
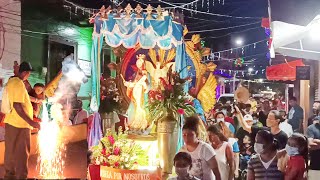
point(305, 102)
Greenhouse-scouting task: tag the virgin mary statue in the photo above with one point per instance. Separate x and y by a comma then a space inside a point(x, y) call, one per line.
point(137, 91)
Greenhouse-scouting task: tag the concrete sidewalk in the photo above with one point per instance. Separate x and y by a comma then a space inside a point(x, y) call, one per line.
point(75, 162)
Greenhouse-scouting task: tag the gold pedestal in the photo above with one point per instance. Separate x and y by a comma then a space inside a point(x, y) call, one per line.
point(167, 144)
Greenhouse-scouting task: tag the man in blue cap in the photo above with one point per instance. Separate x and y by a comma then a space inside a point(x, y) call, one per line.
point(18, 124)
point(313, 133)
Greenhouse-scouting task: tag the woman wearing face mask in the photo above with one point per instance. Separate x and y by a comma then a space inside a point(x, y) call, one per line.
point(220, 117)
point(225, 157)
point(263, 165)
point(204, 163)
point(183, 163)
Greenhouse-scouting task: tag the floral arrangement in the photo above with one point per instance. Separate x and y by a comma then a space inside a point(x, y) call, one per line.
point(110, 99)
point(117, 151)
point(170, 100)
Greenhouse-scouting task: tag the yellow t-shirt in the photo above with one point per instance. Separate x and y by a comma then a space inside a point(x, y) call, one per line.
point(17, 93)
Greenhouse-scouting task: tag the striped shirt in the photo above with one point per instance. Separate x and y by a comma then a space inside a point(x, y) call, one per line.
point(261, 173)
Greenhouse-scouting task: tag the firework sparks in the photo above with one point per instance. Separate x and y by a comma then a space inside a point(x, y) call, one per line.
point(51, 146)
point(51, 142)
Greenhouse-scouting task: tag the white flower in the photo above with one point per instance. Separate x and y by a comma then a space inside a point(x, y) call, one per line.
point(97, 162)
point(122, 158)
point(134, 157)
point(101, 158)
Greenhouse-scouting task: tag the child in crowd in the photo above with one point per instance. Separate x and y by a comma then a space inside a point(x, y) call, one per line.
point(285, 126)
point(297, 150)
point(36, 97)
point(183, 163)
point(256, 121)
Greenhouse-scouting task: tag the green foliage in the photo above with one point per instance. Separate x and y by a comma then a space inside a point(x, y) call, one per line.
point(170, 100)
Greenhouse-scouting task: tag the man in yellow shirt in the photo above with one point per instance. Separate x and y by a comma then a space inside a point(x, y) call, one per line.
point(18, 125)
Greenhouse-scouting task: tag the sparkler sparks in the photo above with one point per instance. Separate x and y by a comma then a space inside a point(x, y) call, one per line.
point(51, 146)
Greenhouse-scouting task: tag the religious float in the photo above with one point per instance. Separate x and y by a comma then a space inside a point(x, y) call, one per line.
point(160, 79)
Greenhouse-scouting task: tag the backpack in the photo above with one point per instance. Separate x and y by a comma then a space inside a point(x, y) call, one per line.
point(6, 107)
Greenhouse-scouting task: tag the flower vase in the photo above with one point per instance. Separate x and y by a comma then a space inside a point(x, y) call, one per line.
point(107, 122)
point(167, 143)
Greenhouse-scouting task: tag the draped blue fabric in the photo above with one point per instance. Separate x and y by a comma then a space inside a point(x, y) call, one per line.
point(199, 110)
point(181, 66)
point(148, 33)
point(181, 63)
point(180, 138)
point(97, 43)
point(95, 133)
point(191, 72)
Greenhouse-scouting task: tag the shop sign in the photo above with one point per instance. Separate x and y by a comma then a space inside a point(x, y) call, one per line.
point(303, 73)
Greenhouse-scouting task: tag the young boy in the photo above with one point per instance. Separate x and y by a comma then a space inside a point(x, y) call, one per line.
point(36, 97)
point(183, 163)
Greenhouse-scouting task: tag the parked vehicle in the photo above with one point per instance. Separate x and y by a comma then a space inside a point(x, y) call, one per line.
point(225, 98)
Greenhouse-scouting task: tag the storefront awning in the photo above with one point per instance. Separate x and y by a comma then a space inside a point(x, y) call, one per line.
point(283, 72)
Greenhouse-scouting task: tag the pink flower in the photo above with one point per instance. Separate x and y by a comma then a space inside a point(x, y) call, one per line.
point(103, 151)
point(116, 151)
point(111, 140)
point(116, 164)
point(169, 87)
point(105, 164)
point(180, 111)
point(159, 97)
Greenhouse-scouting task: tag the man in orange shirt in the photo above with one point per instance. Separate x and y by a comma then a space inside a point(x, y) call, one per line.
point(18, 124)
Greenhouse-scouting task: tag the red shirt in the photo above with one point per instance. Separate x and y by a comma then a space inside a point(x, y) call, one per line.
point(229, 120)
point(296, 164)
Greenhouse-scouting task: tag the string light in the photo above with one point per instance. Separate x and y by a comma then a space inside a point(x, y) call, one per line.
point(247, 45)
point(225, 28)
point(207, 13)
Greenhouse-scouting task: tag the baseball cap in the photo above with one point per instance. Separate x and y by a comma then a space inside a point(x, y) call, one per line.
point(248, 117)
point(25, 66)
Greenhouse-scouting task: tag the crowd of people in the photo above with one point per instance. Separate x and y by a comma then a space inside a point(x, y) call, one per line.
point(257, 140)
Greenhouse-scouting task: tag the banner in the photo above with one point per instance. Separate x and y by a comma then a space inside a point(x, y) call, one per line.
point(107, 173)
